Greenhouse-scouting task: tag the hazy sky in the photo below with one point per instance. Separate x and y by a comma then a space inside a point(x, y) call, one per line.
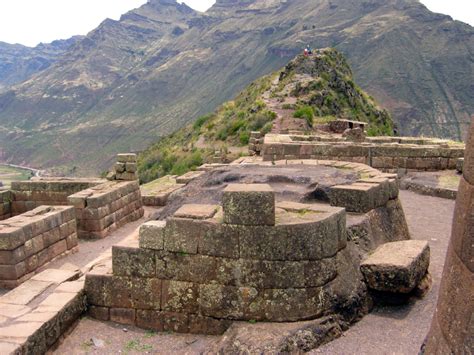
point(32, 21)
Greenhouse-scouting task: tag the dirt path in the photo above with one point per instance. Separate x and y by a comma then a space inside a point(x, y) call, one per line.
point(395, 330)
point(91, 249)
point(401, 330)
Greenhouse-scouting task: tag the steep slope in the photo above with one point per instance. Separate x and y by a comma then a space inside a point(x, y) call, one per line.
point(321, 85)
point(18, 63)
point(163, 65)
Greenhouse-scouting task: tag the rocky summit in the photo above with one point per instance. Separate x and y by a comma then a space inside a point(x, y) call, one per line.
point(131, 81)
point(304, 96)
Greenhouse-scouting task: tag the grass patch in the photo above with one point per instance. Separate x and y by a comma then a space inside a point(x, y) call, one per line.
point(305, 112)
point(136, 345)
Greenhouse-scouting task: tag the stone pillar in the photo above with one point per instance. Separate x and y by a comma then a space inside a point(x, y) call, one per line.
point(452, 328)
point(125, 169)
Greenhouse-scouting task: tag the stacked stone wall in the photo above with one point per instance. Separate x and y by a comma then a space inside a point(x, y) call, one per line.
point(255, 143)
point(125, 169)
point(27, 195)
point(6, 198)
point(381, 153)
point(31, 240)
point(452, 328)
point(106, 207)
point(340, 126)
point(207, 266)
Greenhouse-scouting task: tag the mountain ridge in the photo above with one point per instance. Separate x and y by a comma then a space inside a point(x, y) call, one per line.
point(132, 81)
point(19, 63)
point(303, 96)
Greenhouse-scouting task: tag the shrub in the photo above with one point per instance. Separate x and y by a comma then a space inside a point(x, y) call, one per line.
point(305, 112)
point(200, 121)
point(222, 135)
point(244, 138)
point(236, 125)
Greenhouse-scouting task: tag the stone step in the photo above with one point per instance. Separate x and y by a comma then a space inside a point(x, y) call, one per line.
point(34, 315)
point(397, 267)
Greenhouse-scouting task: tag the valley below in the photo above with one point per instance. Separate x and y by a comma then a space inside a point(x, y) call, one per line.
point(9, 173)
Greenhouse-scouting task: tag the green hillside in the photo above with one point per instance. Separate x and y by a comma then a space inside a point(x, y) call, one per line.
point(314, 90)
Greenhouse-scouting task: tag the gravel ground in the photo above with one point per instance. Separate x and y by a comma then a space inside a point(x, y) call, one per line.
point(387, 330)
point(401, 330)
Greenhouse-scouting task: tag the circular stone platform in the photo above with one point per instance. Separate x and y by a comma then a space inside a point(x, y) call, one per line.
point(255, 243)
point(292, 182)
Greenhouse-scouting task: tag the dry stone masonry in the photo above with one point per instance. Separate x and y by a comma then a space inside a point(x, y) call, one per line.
point(387, 153)
point(36, 314)
point(452, 328)
point(341, 125)
point(255, 143)
point(208, 265)
point(30, 240)
point(101, 206)
point(27, 195)
point(106, 207)
point(157, 193)
point(249, 259)
point(6, 198)
point(125, 169)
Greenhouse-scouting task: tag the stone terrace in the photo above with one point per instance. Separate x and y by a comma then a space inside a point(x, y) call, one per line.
point(106, 207)
point(32, 239)
point(387, 153)
point(34, 315)
point(27, 195)
point(208, 265)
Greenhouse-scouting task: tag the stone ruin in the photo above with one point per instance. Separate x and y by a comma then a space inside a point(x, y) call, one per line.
point(125, 169)
point(32, 239)
point(43, 218)
point(452, 328)
point(386, 153)
point(255, 143)
point(258, 257)
point(270, 241)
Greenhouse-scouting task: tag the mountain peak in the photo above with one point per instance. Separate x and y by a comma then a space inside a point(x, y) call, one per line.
point(163, 4)
point(304, 96)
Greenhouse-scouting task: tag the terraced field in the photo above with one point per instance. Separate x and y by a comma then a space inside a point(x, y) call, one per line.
point(9, 174)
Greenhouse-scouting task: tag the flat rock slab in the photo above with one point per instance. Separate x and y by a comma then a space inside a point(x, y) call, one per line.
point(188, 177)
point(195, 211)
point(26, 292)
point(397, 267)
point(56, 275)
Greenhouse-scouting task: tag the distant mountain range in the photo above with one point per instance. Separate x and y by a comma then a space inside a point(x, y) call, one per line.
point(18, 63)
point(132, 81)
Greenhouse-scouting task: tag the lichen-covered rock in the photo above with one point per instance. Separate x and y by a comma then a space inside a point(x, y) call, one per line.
point(249, 204)
point(151, 235)
point(397, 267)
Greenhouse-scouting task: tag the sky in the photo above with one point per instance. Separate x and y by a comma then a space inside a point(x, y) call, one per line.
point(30, 22)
